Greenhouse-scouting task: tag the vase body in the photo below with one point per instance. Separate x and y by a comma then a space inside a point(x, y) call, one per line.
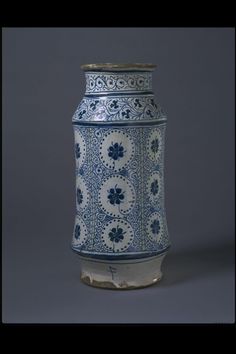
point(120, 231)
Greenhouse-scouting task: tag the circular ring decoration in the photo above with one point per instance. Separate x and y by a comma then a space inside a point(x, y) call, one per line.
point(82, 193)
point(80, 233)
point(116, 150)
point(155, 227)
point(117, 235)
point(80, 147)
point(154, 144)
point(116, 196)
point(153, 186)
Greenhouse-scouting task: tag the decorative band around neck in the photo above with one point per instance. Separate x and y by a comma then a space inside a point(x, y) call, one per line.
point(103, 82)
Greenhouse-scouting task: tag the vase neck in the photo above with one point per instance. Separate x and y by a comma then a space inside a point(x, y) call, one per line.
point(118, 82)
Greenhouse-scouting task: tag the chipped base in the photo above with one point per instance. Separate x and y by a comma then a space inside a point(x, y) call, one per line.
point(121, 275)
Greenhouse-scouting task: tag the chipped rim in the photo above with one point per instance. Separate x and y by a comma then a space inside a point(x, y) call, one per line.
point(118, 67)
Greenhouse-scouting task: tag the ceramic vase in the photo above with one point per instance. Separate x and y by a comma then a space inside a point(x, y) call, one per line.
point(120, 231)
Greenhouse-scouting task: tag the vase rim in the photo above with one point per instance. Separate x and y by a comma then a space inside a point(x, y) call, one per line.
point(118, 67)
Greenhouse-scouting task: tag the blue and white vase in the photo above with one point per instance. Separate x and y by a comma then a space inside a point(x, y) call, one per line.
point(120, 231)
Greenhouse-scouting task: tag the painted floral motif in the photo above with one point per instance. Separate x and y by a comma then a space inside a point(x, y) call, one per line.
point(93, 105)
point(82, 190)
point(116, 151)
point(155, 226)
point(126, 114)
point(114, 104)
point(118, 82)
point(121, 108)
point(116, 196)
point(109, 179)
point(77, 151)
point(80, 148)
point(79, 196)
point(155, 145)
point(77, 232)
point(154, 187)
point(81, 113)
point(80, 233)
point(137, 103)
point(116, 234)
point(149, 113)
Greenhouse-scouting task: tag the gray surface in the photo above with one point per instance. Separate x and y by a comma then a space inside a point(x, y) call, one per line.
point(42, 85)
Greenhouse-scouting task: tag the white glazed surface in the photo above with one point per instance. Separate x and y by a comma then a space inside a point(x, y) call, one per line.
point(123, 274)
point(120, 230)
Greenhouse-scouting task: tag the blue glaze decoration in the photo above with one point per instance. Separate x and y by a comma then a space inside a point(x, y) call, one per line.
point(119, 147)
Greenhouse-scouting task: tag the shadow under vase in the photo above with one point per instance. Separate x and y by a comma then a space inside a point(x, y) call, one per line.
point(203, 261)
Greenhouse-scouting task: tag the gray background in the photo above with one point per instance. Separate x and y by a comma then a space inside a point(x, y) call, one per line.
point(42, 86)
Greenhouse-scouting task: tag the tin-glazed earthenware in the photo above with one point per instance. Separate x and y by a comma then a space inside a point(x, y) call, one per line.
point(120, 231)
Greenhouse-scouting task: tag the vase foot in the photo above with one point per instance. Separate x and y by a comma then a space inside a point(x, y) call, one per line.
point(121, 275)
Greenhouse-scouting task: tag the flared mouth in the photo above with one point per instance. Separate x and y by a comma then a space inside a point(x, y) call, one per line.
point(118, 67)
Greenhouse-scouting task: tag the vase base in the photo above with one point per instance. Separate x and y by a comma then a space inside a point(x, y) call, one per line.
point(121, 275)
